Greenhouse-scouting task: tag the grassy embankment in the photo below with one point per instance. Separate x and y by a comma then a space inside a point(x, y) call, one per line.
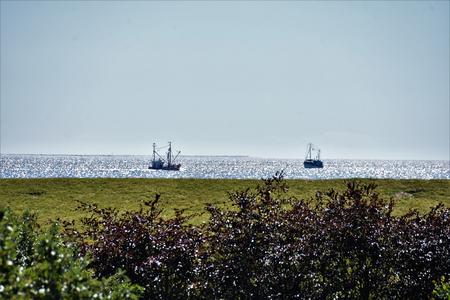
point(52, 198)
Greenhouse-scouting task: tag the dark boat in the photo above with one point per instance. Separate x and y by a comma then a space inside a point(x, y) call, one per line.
point(159, 163)
point(309, 162)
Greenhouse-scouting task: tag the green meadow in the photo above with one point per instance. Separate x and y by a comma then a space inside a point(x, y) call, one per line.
point(58, 198)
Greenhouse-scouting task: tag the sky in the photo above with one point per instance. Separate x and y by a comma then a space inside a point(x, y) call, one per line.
point(361, 80)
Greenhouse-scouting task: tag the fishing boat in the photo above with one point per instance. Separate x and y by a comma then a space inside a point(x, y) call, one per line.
point(311, 162)
point(159, 163)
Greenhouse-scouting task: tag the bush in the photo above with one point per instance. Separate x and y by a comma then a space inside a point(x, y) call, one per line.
point(275, 247)
point(442, 289)
point(39, 266)
point(338, 245)
point(160, 255)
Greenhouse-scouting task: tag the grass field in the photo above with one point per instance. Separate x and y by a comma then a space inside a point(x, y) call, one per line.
point(53, 198)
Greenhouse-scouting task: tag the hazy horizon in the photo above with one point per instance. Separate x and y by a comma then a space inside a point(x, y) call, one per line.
point(361, 80)
point(225, 155)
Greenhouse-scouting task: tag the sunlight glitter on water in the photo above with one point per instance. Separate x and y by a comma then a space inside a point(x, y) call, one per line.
point(90, 166)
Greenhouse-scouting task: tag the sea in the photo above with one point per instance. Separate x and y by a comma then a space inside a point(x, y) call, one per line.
point(219, 167)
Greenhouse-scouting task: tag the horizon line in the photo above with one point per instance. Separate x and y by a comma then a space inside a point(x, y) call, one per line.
point(223, 155)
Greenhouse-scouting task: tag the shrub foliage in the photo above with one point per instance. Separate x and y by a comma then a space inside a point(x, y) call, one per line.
point(159, 255)
point(37, 265)
point(339, 245)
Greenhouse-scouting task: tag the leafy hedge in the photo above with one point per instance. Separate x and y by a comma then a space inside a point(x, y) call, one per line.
point(442, 289)
point(37, 265)
point(338, 245)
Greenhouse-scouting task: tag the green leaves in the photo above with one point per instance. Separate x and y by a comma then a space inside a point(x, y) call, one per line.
point(41, 266)
point(442, 289)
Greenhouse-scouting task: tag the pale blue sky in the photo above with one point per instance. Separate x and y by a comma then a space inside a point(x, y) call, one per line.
point(360, 79)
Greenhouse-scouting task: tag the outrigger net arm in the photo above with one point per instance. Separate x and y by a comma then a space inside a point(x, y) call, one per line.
point(177, 155)
point(160, 157)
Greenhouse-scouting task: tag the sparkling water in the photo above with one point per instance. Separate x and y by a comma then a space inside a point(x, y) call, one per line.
point(108, 166)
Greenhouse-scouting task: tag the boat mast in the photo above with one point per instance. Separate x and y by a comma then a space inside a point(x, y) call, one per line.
point(154, 152)
point(308, 153)
point(169, 154)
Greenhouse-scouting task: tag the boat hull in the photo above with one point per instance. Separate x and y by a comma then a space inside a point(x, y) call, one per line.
point(166, 168)
point(311, 164)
